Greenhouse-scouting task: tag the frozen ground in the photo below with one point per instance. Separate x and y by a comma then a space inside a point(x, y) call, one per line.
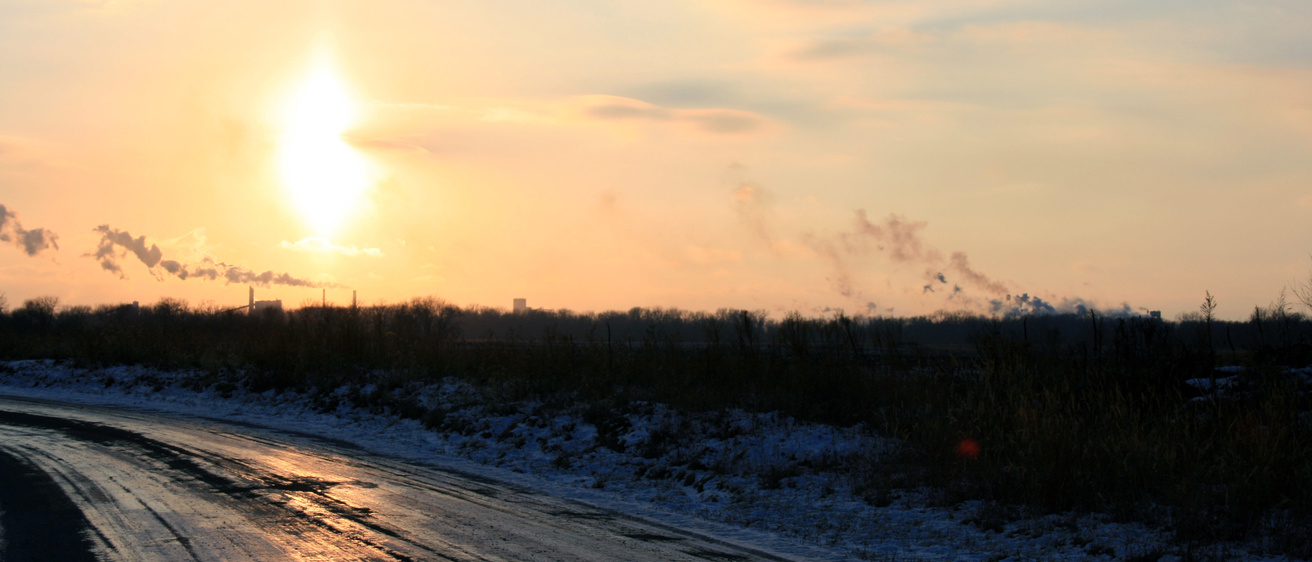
point(768, 475)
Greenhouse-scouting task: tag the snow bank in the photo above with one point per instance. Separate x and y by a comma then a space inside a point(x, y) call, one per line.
point(763, 479)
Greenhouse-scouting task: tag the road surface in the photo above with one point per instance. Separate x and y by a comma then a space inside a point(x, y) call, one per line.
point(92, 483)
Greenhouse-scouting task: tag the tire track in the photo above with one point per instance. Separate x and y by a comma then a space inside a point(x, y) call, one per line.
point(167, 488)
point(254, 491)
point(40, 521)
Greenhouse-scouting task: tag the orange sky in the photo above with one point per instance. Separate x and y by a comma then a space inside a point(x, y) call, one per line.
point(766, 154)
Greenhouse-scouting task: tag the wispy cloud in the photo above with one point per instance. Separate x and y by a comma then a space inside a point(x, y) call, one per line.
point(713, 120)
point(402, 127)
point(318, 245)
point(882, 42)
point(32, 241)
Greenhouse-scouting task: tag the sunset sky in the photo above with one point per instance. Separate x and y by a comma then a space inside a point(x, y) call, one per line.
point(880, 157)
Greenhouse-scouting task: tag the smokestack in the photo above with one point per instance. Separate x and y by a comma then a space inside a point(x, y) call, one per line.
point(251, 307)
point(325, 298)
point(352, 298)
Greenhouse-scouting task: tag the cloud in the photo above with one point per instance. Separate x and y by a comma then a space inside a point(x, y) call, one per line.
point(32, 241)
point(319, 245)
point(718, 121)
point(885, 41)
point(993, 37)
point(116, 244)
point(403, 129)
point(404, 146)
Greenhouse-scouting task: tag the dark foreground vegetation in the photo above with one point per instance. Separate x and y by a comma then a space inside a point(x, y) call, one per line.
point(1049, 413)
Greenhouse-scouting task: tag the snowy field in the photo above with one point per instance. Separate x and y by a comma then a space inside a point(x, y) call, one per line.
point(769, 480)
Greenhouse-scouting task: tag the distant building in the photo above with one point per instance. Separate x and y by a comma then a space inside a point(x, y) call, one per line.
point(255, 305)
point(1155, 314)
point(268, 305)
point(521, 305)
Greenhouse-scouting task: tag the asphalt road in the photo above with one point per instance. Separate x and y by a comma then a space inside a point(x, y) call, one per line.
point(89, 483)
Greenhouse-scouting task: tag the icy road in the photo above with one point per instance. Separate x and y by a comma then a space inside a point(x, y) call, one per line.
point(88, 483)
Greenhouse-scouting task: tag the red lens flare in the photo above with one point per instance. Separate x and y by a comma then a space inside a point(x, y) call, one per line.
point(968, 449)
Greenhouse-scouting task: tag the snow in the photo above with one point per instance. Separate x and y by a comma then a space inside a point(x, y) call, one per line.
point(760, 479)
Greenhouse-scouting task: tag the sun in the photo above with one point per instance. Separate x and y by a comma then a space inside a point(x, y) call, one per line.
point(323, 175)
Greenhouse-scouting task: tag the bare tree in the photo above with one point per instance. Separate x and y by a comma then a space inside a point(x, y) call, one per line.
point(1208, 309)
point(1304, 292)
point(42, 306)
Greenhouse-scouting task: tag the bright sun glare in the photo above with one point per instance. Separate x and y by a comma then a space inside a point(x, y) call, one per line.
point(324, 176)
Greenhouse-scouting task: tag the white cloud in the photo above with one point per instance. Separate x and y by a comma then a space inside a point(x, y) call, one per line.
point(318, 245)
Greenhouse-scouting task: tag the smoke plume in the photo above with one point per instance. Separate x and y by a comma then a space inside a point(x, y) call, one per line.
point(117, 244)
point(32, 241)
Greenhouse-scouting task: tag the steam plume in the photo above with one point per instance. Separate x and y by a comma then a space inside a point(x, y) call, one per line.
point(108, 256)
point(116, 244)
point(753, 205)
point(961, 264)
point(896, 236)
point(1015, 306)
point(898, 239)
point(32, 241)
